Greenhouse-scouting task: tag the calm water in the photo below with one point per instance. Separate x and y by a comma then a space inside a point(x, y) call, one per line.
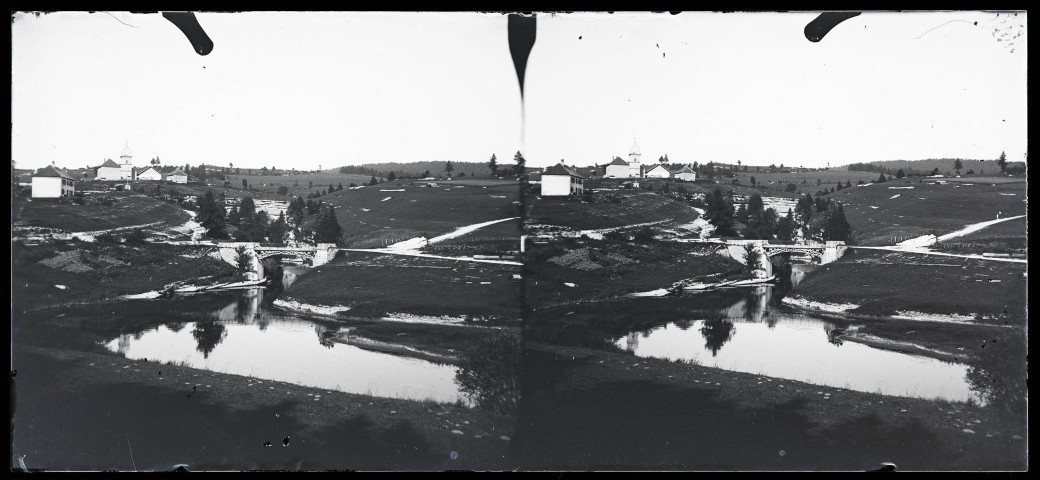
point(237, 333)
point(754, 334)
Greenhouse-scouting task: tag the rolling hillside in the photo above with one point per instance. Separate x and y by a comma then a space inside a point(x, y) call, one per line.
point(884, 212)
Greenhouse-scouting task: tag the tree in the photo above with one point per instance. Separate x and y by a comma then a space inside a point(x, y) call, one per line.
point(212, 216)
point(791, 188)
point(373, 182)
point(785, 227)
point(426, 174)
point(245, 184)
point(720, 212)
point(835, 226)
point(520, 162)
point(935, 171)
point(957, 165)
point(753, 182)
point(1002, 162)
point(493, 164)
point(755, 212)
point(882, 179)
point(340, 186)
point(848, 183)
point(752, 258)
point(243, 259)
point(448, 168)
point(283, 190)
point(900, 173)
point(389, 178)
point(327, 229)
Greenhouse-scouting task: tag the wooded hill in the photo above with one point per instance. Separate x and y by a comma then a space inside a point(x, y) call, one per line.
point(416, 169)
point(945, 166)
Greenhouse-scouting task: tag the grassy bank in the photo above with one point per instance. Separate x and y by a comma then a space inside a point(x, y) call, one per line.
point(598, 409)
point(374, 285)
point(88, 411)
point(66, 272)
point(127, 209)
point(602, 269)
point(884, 283)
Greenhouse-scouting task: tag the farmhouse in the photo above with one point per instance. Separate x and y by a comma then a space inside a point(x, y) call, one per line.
point(50, 182)
point(657, 171)
point(561, 180)
point(149, 173)
point(174, 175)
point(684, 172)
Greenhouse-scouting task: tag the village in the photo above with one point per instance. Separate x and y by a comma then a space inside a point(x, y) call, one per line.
point(482, 241)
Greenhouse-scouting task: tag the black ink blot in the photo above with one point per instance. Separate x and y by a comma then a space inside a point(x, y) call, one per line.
point(189, 26)
point(521, 40)
point(821, 25)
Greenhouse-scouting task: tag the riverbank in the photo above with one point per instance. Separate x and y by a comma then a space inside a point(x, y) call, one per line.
point(373, 285)
point(578, 270)
point(672, 415)
point(893, 283)
point(87, 411)
point(62, 273)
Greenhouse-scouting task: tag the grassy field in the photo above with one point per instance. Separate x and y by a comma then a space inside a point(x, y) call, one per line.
point(1004, 237)
point(299, 184)
point(927, 208)
point(372, 216)
point(882, 283)
point(93, 272)
point(374, 285)
point(779, 181)
point(635, 206)
point(127, 209)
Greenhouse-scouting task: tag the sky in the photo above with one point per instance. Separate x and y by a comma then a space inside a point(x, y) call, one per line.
point(322, 90)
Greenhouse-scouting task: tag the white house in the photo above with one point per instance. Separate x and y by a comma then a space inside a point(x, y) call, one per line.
point(49, 182)
point(684, 172)
point(657, 171)
point(174, 175)
point(149, 173)
point(617, 168)
point(561, 180)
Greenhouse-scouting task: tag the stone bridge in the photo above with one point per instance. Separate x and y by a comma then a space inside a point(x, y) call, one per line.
point(317, 255)
point(826, 252)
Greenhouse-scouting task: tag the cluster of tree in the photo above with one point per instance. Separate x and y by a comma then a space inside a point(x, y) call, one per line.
point(755, 221)
point(256, 226)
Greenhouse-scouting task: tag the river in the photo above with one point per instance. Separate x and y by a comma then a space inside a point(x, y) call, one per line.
point(240, 332)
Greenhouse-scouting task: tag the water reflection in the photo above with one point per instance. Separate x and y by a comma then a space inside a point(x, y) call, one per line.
point(716, 332)
point(286, 351)
point(748, 332)
point(236, 332)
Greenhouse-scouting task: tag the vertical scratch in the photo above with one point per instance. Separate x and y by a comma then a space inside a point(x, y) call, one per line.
point(131, 451)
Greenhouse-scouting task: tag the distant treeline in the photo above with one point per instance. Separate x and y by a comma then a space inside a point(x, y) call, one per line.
point(417, 169)
point(928, 166)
